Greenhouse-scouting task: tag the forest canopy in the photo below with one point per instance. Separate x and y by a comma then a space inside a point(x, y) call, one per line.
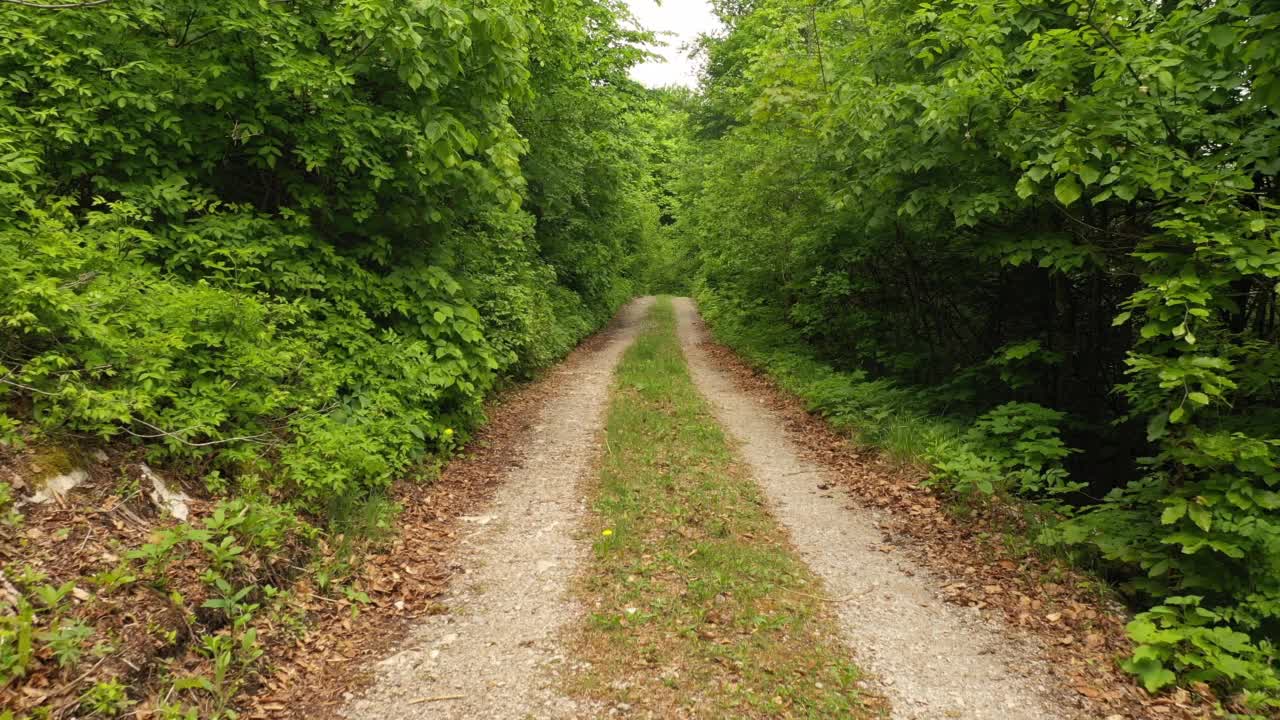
point(296, 243)
point(1036, 244)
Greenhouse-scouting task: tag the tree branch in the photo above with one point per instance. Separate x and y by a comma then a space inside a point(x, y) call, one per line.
point(176, 435)
point(66, 6)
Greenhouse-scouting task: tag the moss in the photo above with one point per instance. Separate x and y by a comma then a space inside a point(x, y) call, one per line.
point(46, 463)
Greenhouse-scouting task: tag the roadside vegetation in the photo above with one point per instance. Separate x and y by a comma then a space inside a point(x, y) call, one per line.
point(280, 253)
point(259, 262)
point(1036, 247)
point(697, 605)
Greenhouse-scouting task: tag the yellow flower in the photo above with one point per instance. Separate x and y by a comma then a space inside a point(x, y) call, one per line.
point(448, 432)
point(607, 533)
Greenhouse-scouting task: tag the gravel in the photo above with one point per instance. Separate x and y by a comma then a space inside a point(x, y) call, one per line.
point(934, 661)
point(497, 654)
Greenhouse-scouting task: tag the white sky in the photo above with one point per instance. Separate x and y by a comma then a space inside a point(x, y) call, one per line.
point(687, 19)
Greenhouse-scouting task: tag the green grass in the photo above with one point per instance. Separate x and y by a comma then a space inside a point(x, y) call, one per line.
point(700, 607)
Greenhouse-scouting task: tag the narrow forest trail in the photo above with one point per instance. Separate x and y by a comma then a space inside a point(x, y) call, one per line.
point(495, 654)
point(933, 660)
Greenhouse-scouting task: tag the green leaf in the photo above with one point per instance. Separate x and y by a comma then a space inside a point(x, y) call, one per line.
point(1231, 550)
point(1200, 516)
point(1154, 676)
point(194, 682)
point(1067, 190)
point(1174, 512)
point(1223, 35)
point(1025, 187)
point(1157, 426)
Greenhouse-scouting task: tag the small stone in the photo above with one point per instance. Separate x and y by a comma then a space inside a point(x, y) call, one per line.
point(58, 486)
point(170, 501)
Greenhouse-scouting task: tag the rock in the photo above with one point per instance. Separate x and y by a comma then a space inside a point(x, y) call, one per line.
point(58, 486)
point(175, 503)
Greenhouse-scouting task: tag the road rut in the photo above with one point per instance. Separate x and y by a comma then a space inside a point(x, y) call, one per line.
point(497, 654)
point(934, 661)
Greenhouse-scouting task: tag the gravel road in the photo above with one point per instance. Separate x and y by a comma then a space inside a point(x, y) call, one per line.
point(497, 653)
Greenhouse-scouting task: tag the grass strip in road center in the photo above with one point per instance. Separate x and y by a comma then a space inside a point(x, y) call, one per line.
point(698, 606)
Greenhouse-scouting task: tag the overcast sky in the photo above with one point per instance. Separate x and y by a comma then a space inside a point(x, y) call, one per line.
point(687, 19)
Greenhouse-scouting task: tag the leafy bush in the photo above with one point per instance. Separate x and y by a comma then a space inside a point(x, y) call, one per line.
point(112, 347)
point(38, 624)
point(1182, 636)
point(1046, 208)
point(298, 244)
point(1014, 449)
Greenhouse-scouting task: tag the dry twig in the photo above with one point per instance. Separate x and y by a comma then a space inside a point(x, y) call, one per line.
point(66, 6)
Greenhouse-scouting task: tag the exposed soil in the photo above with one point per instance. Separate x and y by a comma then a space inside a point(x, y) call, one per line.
point(496, 653)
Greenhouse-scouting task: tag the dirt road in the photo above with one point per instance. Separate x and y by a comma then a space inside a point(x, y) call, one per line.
point(500, 652)
point(497, 655)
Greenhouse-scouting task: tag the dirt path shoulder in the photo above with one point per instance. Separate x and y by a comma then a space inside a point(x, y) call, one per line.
point(934, 660)
point(496, 654)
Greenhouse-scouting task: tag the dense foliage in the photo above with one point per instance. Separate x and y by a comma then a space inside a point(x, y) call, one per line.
point(290, 246)
point(295, 243)
point(1055, 225)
